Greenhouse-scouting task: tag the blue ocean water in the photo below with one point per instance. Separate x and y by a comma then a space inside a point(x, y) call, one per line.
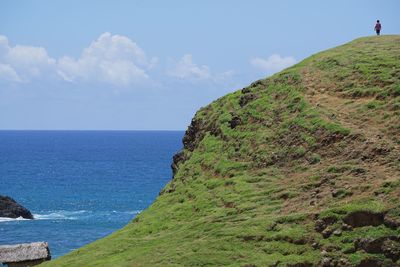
point(81, 185)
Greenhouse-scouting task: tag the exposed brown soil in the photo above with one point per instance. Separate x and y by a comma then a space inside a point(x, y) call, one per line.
point(368, 146)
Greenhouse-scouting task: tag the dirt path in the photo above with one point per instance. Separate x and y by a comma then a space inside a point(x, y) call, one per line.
point(344, 110)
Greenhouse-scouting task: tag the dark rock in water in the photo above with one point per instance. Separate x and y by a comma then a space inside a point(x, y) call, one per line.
point(9, 208)
point(29, 254)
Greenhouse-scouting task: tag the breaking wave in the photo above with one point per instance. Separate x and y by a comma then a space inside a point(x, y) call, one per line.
point(72, 215)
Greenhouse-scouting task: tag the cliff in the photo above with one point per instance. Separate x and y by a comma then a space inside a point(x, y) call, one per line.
point(299, 169)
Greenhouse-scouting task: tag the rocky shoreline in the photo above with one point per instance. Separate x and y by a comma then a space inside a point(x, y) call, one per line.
point(9, 208)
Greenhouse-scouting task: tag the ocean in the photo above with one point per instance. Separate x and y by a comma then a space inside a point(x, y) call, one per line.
point(81, 185)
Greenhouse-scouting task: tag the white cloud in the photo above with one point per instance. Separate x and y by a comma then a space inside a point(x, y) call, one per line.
point(113, 59)
point(273, 63)
point(23, 63)
point(110, 59)
point(186, 69)
point(224, 76)
point(4, 47)
point(7, 73)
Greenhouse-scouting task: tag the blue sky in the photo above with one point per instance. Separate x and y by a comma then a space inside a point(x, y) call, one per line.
point(149, 65)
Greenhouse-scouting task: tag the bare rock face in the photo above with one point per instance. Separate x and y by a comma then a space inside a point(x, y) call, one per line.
point(364, 218)
point(193, 134)
point(192, 137)
point(25, 254)
point(176, 160)
point(9, 208)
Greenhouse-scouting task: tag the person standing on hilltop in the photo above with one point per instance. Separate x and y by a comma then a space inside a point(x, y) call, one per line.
point(378, 27)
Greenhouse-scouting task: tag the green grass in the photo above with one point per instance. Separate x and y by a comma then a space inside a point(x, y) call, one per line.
point(250, 194)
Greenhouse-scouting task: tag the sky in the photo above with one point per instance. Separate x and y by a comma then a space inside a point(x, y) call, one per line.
point(149, 65)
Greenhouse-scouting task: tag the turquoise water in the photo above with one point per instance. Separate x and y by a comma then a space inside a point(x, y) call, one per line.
point(81, 185)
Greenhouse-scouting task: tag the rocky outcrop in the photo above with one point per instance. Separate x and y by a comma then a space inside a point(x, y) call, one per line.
point(25, 254)
point(176, 160)
point(193, 134)
point(246, 98)
point(9, 208)
point(377, 245)
point(192, 137)
point(235, 121)
point(364, 218)
point(387, 245)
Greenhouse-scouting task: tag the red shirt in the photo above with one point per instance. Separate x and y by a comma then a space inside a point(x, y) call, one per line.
point(378, 27)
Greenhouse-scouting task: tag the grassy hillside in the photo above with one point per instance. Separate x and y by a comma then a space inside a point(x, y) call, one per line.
point(299, 169)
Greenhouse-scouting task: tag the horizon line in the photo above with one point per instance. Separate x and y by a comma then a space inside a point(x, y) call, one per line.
point(91, 130)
